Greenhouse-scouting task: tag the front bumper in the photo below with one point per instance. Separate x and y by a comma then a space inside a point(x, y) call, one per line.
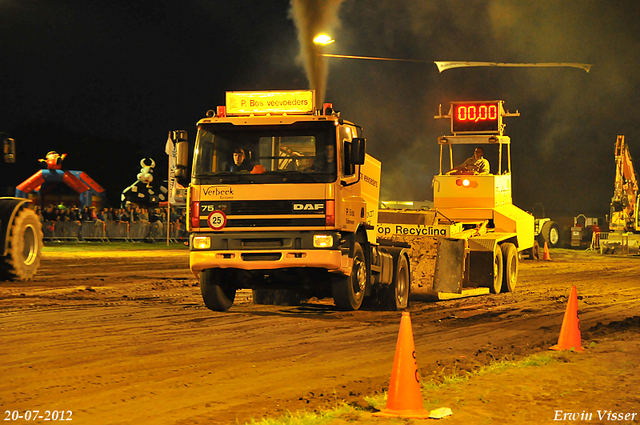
point(268, 251)
point(330, 260)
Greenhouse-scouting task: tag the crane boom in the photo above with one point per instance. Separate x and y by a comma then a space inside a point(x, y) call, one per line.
point(624, 204)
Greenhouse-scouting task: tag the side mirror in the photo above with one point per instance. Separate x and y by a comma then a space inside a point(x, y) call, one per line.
point(182, 156)
point(358, 149)
point(9, 150)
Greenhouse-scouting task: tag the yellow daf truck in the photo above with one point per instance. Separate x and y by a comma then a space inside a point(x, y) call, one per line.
point(283, 197)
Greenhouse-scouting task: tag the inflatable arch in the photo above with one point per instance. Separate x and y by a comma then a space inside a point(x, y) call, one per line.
point(79, 181)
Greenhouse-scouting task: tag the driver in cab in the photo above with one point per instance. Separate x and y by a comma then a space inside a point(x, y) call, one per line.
point(476, 164)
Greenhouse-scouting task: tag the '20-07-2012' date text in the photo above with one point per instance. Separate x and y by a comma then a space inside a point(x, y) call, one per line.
point(35, 415)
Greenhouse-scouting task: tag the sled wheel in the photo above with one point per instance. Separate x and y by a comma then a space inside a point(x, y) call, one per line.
point(348, 291)
point(510, 267)
point(497, 271)
point(218, 291)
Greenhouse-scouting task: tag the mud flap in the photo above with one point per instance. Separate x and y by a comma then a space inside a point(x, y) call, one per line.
point(449, 266)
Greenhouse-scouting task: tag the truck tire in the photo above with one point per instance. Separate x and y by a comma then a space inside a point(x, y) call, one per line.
point(218, 289)
point(497, 271)
point(24, 247)
point(395, 296)
point(510, 267)
point(401, 285)
point(550, 234)
point(348, 291)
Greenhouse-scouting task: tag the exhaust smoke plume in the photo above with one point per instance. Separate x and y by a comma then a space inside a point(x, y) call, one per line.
point(569, 119)
point(312, 17)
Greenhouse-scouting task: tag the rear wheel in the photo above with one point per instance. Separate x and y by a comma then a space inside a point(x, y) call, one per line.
point(24, 247)
point(401, 285)
point(348, 291)
point(497, 271)
point(510, 269)
point(218, 289)
point(395, 296)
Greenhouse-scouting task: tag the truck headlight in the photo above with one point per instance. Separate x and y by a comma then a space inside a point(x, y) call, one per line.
point(201, 242)
point(322, 241)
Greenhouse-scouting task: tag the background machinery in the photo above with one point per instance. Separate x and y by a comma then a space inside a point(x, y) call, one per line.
point(624, 203)
point(545, 229)
point(20, 229)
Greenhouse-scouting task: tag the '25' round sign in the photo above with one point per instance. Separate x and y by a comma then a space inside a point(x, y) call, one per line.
point(217, 220)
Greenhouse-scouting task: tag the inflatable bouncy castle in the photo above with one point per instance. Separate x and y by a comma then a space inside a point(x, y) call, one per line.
point(54, 183)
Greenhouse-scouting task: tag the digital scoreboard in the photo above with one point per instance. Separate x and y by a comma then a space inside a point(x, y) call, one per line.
point(476, 117)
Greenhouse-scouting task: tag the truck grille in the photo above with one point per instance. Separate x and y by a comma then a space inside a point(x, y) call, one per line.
point(264, 209)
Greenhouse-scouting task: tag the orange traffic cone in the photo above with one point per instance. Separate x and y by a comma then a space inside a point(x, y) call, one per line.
point(404, 399)
point(570, 337)
point(545, 254)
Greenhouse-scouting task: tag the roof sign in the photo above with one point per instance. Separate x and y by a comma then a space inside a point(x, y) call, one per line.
point(270, 102)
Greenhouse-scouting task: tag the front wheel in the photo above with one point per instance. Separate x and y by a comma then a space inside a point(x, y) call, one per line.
point(348, 291)
point(218, 289)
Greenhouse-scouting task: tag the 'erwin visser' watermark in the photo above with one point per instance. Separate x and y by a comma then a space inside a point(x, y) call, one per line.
point(601, 415)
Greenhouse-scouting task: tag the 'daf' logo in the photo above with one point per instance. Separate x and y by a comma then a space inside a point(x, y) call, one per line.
point(308, 207)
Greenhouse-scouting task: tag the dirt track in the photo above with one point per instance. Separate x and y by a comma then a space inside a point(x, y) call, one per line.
point(125, 339)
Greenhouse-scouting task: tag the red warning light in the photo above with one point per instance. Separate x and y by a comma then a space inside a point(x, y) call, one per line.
point(476, 117)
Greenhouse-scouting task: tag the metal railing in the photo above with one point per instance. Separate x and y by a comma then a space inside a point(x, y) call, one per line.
point(106, 231)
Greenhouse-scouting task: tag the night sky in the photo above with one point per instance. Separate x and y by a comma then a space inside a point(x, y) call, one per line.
point(104, 82)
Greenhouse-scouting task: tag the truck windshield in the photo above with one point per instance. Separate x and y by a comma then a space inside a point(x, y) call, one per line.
point(300, 152)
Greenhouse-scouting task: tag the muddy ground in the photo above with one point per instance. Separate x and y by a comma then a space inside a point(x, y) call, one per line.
point(124, 338)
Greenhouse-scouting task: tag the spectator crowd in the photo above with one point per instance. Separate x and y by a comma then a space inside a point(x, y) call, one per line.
point(145, 223)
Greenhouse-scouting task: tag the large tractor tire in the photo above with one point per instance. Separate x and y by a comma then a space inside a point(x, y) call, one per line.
point(348, 291)
point(218, 289)
point(550, 234)
point(23, 246)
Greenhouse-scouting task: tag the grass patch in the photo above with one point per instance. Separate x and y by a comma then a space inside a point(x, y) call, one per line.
point(307, 418)
point(379, 401)
point(110, 246)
